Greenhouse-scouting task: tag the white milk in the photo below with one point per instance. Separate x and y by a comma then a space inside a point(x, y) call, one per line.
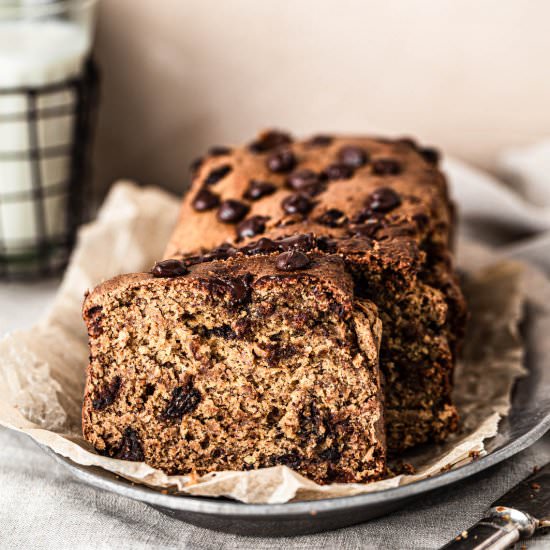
point(33, 54)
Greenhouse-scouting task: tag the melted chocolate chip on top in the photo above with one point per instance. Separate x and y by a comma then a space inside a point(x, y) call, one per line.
point(251, 226)
point(383, 199)
point(258, 189)
point(386, 167)
point(239, 288)
point(408, 141)
point(232, 211)
point(353, 156)
point(218, 174)
point(298, 203)
point(205, 200)
point(332, 218)
point(303, 241)
point(367, 229)
point(270, 140)
point(219, 151)
point(221, 252)
point(261, 246)
point(430, 155)
point(303, 179)
point(292, 261)
point(169, 268)
point(320, 140)
point(281, 161)
point(196, 164)
point(338, 171)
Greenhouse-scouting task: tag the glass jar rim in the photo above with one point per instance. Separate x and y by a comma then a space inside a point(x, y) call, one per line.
point(44, 8)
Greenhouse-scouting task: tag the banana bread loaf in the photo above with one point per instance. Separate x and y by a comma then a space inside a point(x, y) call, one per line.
point(255, 342)
point(237, 364)
point(384, 207)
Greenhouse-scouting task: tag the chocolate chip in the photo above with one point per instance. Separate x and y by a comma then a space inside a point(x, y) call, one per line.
point(196, 164)
point(292, 261)
point(270, 140)
point(386, 167)
point(306, 181)
point(367, 229)
point(262, 246)
point(95, 318)
point(338, 171)
point(327, 245)
point(218, 174)
point(169, 268)
point(281, 161)
point(219, 151)
point(205, 200)
point(422, 220)
point(303, 242)
point(353, 156)
point(298, 203)
point(331, 454)
point(366, 214)
point(277, 353)
point(312, 423)
point(107, 395)
point(430, 155)
point(221, 252)
point(383, 199)
point(238, 288)
point(185, 399)
point(291, 460)
point(252, 226)
point(129, 447)
point(232, 211)
point(332, 218)
point(319, 140)
point(217, 452)
point(408, 141)
point(258, 189)
point(93, 311)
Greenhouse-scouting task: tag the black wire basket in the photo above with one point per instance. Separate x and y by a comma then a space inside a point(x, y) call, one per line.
point(49, 193)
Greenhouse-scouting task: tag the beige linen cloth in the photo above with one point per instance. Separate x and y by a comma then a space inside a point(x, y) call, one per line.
point(133, 525)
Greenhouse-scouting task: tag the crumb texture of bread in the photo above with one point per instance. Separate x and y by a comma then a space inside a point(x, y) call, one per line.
point(238, 366)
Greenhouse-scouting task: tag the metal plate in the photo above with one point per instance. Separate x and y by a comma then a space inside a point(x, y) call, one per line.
point(528, 421)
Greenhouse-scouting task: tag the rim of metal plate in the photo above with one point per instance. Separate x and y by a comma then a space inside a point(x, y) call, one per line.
point(105, 480)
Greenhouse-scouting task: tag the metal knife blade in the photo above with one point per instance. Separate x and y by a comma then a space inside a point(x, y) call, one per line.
point(515, 515)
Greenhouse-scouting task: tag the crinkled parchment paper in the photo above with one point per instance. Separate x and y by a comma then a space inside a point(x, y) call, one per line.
point(42, 369)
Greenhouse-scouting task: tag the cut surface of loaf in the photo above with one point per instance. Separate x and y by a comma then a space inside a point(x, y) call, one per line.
point(237, 364)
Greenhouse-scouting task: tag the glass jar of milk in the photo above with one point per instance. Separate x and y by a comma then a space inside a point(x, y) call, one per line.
point(48, 90)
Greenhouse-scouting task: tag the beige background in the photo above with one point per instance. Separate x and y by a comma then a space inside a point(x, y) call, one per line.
point(472, 76)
